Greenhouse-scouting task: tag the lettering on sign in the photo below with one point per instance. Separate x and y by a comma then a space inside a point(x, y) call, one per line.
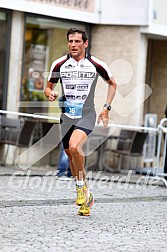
point(82, 5)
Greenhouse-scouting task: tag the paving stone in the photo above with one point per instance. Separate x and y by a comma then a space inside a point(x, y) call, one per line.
point(39, 214)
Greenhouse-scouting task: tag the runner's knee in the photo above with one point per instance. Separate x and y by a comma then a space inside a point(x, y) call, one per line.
point(75, 150)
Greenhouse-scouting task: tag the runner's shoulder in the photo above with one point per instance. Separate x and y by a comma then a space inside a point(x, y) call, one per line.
point(98, 61)
point(60, 60)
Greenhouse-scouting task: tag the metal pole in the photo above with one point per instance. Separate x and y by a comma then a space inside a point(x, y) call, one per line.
point(158, 151)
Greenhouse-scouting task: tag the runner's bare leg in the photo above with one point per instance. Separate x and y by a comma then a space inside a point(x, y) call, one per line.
point(71, 164)
point(77, 159)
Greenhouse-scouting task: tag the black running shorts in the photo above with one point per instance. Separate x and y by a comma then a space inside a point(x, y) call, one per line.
point(68, 125)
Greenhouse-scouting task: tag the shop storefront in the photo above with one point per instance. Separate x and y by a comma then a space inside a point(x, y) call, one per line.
point(28, 46)
point(38, 36)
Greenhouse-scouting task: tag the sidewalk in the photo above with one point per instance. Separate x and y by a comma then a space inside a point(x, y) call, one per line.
point(124, 176)
point(35, 171)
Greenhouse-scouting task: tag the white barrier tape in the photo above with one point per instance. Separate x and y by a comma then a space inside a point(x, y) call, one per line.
point(57, 118)
point(133, 127)
point(30, 115)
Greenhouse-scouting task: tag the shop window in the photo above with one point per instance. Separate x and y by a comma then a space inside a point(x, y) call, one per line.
point(45, 41)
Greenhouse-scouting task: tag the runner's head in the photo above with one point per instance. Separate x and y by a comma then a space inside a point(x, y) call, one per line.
point(80, 31)
point(77, 43)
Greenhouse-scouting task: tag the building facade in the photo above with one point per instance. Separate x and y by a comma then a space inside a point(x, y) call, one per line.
point(129, 35)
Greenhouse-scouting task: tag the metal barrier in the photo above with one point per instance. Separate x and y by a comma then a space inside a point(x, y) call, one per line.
point(160, 130)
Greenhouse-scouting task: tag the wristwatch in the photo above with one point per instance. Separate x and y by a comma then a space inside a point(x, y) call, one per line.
point(108, 106)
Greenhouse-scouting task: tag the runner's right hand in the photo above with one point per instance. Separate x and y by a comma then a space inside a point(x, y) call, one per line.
point(53, 95)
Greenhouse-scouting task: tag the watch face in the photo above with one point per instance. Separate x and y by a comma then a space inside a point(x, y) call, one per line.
point(107, 106)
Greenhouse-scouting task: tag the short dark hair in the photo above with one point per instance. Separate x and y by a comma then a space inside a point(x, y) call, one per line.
point(78, 30)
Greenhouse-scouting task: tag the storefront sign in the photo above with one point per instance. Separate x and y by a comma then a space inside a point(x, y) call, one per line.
point(82, 5)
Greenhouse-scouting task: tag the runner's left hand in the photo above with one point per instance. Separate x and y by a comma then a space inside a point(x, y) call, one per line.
point(103, 117)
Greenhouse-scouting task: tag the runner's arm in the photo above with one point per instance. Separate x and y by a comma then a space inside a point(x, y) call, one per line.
point(49, 92)
point(110, 96)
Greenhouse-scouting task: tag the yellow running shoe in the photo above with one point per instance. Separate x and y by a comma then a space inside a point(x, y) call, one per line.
point(85, 208)
point(81, 195)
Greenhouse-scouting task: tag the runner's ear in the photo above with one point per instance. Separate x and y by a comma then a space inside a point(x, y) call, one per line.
point(86, 44)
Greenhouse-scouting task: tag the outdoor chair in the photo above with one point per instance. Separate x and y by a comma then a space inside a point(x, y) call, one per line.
point(18, 136)
point(124, 138)
point(96, 143)
point(46, 126)
point(41, 129)
point(130, 148)
point(7, 126)
point(49, 132)
point(114, 142)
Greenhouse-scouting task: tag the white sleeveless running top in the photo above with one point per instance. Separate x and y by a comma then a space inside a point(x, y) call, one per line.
point(78, 80)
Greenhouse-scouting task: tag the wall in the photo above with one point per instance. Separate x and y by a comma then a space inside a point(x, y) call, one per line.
point(127, 12)
point(157, 74)
point(91, 11)
point(159, 8)
point(124, 49)
point(15, 62)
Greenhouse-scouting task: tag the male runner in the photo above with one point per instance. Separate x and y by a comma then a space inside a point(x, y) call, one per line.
point(78, 73)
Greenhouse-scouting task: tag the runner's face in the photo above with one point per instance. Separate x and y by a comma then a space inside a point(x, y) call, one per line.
point(76, 46)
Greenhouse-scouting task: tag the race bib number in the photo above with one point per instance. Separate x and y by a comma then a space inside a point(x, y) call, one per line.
point(73, 110)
